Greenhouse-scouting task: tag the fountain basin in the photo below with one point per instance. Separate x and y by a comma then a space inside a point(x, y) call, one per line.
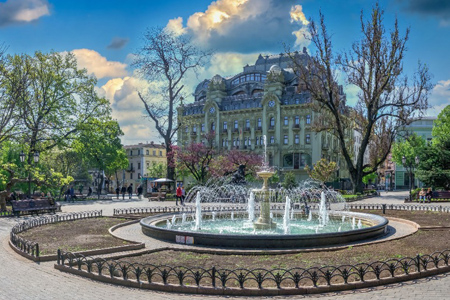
point(376, 227)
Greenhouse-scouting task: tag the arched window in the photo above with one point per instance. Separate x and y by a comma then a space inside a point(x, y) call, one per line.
point(272, 122)
point(213, 126)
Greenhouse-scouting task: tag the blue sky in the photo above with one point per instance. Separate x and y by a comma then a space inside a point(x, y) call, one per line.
point(104, 34)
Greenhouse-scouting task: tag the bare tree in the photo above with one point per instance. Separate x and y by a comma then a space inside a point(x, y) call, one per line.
point(165, 60)
point(387, 99)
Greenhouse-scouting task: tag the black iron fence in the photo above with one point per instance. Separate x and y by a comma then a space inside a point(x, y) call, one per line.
point(32, 248)
point(293, 278)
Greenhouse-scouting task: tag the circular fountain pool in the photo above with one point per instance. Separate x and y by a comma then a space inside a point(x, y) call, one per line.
point(223, 230)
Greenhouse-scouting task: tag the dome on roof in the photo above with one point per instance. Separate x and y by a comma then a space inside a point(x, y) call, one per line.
point(275, 69)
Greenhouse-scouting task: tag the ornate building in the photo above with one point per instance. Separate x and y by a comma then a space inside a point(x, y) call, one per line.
point(264, 100)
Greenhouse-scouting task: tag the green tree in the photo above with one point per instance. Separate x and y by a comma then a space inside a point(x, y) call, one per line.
point(441, 126)
point(387, 100)
point(369, 177)
point(289, 181)
point(58, 99)
point(99, 144)
point(157, 170)
point(434, 165)
point(410, 148)
point(322, 170)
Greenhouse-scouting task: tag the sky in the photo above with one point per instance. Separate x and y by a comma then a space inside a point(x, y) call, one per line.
point(104, 35)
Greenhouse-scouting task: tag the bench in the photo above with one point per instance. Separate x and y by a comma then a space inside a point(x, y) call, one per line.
point(157, 196)
point(440, 195)
point(34, 205)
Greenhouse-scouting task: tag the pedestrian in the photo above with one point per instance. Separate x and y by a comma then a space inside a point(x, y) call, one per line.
point(139, 191)
point(72, 193)
point(89, 191)
point(123, 190)
point(183, 195)
point(130, 190)
point(117, 192)
point(429, 195)
point(422, 196)
point(179, 194)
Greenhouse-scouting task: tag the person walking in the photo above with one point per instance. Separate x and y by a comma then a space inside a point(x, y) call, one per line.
point(179, 194)
point(89, 191)
point(117, 192)
point(72, 193)
point(183, 195)
point(130, 190)
point(123, 190)
point(139, 191)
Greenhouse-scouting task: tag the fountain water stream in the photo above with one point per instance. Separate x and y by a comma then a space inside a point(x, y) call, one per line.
point(198, 212)
point(286, 218)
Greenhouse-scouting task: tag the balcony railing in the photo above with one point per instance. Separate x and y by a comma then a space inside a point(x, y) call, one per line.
point(296, 126)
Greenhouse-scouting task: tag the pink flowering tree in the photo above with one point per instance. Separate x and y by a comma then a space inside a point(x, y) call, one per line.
point(195, 158)
point(229, 161)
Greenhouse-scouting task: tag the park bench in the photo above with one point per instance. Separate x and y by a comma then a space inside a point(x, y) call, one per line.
point(34, 206)
point(157, 196)
point(441, 195)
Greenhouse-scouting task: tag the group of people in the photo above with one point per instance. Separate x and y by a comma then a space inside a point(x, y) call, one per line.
point(425, 195)
point(181, 194)
point(128, 190)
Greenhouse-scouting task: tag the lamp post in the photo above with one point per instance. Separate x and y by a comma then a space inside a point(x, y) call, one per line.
point(410, 168)
point(36, 160)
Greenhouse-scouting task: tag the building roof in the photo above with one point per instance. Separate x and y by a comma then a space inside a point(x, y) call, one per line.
point(146, 145)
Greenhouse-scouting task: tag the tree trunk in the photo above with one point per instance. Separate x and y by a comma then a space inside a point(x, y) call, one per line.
point(2, 202)
point(358, 185)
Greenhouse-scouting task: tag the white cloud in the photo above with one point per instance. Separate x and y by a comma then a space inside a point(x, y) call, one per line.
point(439, 97)
point(22, 11)
point(98, 65)
point(245, 25)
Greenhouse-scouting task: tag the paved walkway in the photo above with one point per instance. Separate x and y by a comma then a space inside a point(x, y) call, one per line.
point(22, 279)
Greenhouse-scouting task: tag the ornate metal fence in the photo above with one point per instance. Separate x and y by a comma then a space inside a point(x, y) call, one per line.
point(368, 206)
point(32, 248)
point(258, 278)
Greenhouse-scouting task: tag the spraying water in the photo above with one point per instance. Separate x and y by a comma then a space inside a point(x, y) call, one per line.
point(198, 213)
point(286, 219)
point(183, 218)
point(169, 226)
point(310, 216)
point(359, 224)
point(323, 214)
point(174, 219)
point(214, 215)
point(251, 207)
point(353, 223)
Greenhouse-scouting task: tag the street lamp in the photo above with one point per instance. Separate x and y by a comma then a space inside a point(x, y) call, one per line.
point(36, 160)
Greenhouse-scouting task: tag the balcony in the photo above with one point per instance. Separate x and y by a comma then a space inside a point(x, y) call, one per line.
point(296, 127)
point(236, 130)
point(259, 128)
point(271, 128)
point(224, 131)
point(247, 129)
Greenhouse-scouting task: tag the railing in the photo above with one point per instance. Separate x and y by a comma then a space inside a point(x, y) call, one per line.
point(31, 248)
point(437, 208)
point(191, 209)
point(258, 279)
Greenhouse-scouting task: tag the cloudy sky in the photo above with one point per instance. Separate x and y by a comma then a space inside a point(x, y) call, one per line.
point(104, 35)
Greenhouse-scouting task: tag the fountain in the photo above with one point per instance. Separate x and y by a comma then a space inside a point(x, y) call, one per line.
point(273, 228)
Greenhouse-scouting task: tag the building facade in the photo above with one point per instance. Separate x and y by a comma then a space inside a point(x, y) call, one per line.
point(422, 128)
point(265, 100)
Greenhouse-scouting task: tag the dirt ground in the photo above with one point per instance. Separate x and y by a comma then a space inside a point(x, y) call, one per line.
point(77, 235)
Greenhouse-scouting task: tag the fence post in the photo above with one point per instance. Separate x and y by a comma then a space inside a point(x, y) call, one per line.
point(418, 262)
point(59, 257)
point(213, 276)
point(384, 209)
point(37, 250)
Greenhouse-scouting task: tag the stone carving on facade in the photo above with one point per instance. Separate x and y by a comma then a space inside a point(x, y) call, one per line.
point(217, 84)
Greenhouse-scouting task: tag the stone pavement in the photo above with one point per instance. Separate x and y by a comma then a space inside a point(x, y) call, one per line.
point(22, 279)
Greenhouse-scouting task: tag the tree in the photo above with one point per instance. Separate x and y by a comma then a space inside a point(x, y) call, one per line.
point(322, 171)
point(441, 127)
point(165, 60)
point(289, 181)
point(434, 165)
point(99, 144)
point(369, 177)
point(387, 100)
point(195, 158)
point(229, 161)
point(58, 99)
point(157, 170)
